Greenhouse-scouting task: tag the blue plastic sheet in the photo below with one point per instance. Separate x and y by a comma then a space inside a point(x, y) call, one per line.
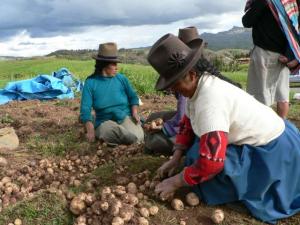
point(60, 85)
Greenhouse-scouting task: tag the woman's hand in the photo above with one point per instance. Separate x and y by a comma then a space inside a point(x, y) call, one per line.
point(90, 136)
point(90, 131)
point(170, 166)
point(167, 187)
point(136, 118)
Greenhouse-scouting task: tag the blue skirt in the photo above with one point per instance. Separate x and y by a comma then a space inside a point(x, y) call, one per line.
point(265, 178)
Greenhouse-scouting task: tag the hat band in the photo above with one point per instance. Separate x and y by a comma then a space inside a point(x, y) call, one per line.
point(107, 57)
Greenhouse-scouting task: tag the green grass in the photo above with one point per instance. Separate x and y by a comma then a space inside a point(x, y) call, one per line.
point(55, 144)
point(142, 77)
point(43, 209)
point(135, 165)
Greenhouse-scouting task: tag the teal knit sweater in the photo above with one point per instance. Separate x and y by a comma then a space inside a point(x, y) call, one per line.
point(110, 97)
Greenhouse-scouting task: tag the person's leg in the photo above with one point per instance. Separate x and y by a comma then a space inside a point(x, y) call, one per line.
point(257, 76)
point(283, 109)
point(134, 129)
point(282, 92)
point(158, 143)
point(111, 132)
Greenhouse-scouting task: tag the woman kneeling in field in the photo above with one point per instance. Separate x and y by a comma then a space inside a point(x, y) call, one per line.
point(114, 100)
point(236, 148)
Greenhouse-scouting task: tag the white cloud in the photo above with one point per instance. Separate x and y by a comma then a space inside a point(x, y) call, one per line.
point(130, 23)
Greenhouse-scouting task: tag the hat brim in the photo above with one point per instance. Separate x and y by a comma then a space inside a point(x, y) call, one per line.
point(96, 57)
point(164, 83)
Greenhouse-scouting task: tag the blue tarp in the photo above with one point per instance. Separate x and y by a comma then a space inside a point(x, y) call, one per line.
point(60, 85)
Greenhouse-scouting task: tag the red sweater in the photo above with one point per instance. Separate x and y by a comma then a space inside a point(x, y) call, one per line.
point(212, 150)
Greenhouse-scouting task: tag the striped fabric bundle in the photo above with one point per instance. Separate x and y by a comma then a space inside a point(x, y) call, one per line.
point(286, 12)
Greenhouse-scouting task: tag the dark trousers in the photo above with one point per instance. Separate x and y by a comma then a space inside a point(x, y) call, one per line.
point(158, 142)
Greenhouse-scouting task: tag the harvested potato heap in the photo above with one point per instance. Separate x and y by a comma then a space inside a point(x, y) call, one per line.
point(156, 124)
point(57, 175)
point(116, 205)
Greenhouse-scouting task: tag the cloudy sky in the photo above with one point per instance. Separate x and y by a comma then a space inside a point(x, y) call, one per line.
point(38, 27)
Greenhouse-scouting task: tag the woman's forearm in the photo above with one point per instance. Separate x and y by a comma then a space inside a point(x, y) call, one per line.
point(134, 109)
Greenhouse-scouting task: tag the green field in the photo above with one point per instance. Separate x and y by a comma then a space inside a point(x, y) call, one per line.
point(142, 77)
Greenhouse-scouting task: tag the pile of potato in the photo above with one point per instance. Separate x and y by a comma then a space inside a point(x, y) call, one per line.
point(116, 205)
point(57, 175)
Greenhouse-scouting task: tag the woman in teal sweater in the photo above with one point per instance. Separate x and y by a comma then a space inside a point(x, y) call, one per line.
point(114, 100)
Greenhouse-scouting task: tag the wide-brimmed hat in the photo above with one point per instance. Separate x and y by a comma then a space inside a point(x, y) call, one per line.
point(107, 52)
point(188, 35)
point(172, 59)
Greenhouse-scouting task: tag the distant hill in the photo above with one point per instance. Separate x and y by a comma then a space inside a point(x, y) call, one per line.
point(235, 38)
point(10, 58)
point(223, 49)
point(134, 55)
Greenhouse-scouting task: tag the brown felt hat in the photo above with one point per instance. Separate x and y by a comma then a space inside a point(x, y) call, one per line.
point(172, 59)
point(107, 52)
point(188, 35)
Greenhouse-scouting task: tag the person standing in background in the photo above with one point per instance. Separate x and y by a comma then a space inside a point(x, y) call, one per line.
point(268, 78)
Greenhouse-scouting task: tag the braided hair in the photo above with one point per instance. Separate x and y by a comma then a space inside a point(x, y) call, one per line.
point(203, 65)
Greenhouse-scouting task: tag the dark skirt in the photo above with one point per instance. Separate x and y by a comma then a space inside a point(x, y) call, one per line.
point(266, 179)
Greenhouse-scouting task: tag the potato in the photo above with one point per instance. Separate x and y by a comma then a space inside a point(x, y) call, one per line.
point(126, 212)
point(104, 206)
point(119, 190)
point(115, 207)
point(105, 191)
point(192, 199)
point(5, 180)
point(90, 199)
point(18, 222)
point(144, 212)
point(177, 204)
point(117, 221)
point(82, 196)
point(143, 221)
point(77, 206)
point(132, 188)
point(217, 216)
point(147, 183)
point(130, 199)
point(3, 162)
point(140, 196)
point(182, 222)
point(81, 219)
point(153, 210)
point(96, 208)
